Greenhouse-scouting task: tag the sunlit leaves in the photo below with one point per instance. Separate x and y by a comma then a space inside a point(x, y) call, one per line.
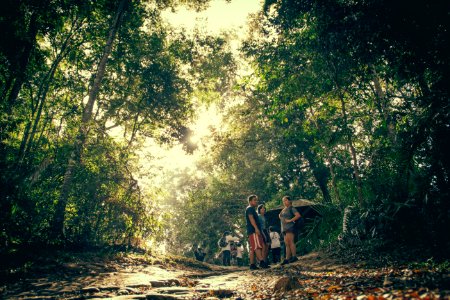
point(145, 92)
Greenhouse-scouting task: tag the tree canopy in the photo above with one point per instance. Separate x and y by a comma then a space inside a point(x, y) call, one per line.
point(346, 104)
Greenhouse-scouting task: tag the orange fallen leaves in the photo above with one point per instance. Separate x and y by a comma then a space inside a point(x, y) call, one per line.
point(334, 288)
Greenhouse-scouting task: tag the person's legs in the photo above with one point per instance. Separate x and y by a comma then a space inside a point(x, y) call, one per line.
point(253, 250)
point(287, 241)
point(263, 251)
point(266, 252)
point(292, 244)
point(227, 257)
point(259, 251)
point(276, 255)
point(265, 245)
point(259, 255)
point(256, 242)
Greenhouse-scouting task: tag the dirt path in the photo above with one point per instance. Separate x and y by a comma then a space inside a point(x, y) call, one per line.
point(313, 276)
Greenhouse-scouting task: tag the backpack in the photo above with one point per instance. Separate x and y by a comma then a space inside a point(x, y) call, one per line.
point(233, 246)
point(223, 242)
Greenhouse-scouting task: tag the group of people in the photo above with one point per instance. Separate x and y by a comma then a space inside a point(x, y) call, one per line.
point(260, 239)
point(231, 249)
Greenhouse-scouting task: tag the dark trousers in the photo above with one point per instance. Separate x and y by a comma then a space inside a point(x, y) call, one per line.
point(239, 261)
point(276, 254)
point(226, 256)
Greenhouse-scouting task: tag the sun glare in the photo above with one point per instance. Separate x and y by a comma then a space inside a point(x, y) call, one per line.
point(158, 161)
point(208, 119)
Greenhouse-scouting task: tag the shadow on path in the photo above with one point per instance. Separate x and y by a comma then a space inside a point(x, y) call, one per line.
point(313, 276)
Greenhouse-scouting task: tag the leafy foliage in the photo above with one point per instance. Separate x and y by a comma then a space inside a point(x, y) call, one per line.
point(61, 159)
point(346, 106)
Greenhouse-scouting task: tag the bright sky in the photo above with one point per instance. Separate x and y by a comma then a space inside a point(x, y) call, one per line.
point(220, 16)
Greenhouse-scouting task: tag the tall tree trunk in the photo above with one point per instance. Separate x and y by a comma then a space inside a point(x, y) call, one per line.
point(48, 120)
point(333, 179)
point(9, 96)
point(383, 107)
point(7, 86)
point(348, 134)
point(59, 215)
point(17, 80)
point(320, 173)
point(42, 94)
point(23, 62)
point(334, 76)
point(330, 162)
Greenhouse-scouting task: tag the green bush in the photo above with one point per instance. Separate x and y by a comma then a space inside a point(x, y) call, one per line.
point(320, 232)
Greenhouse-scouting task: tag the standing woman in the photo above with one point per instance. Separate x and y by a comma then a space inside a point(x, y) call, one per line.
point(264, 232)
point(288, 216)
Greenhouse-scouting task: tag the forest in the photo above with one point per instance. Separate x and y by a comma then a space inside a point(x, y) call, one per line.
point(344, 103)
